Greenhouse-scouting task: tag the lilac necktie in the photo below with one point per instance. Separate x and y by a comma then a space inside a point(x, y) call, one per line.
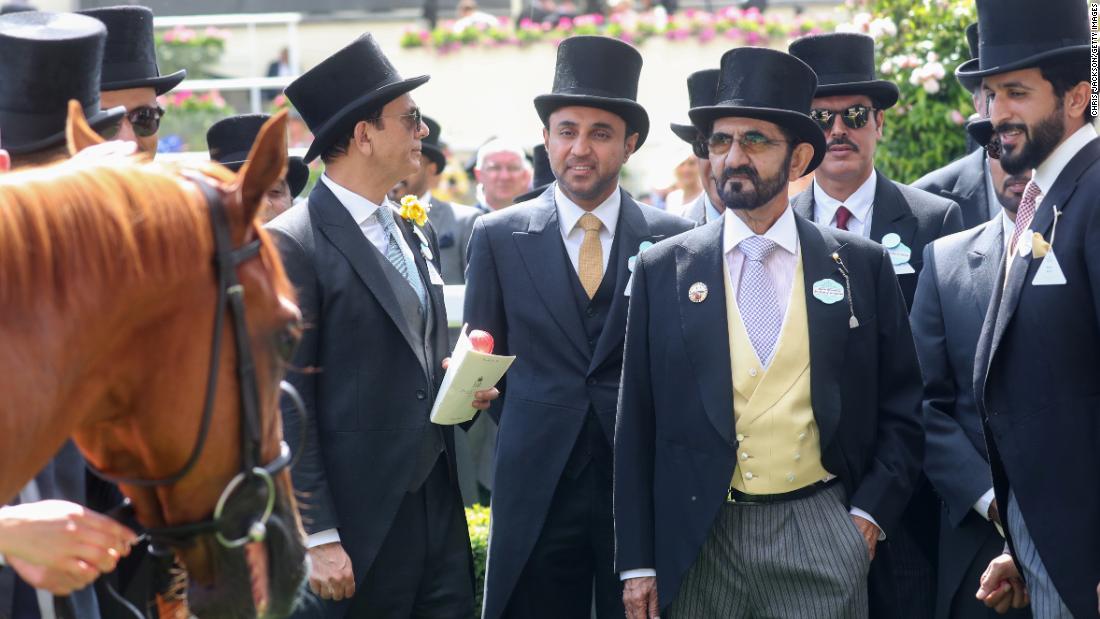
point(757, 299)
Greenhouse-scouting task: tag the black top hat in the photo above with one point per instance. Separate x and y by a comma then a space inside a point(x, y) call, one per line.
point(130, 57)
point(845, 65)
point(766, 84)
point(59, 59)
point(544, 174)
point(15, 7)
point(230, 141)
point(702, 87)
point(970, 82)
point(1018, 34)
point(337, 93)
point(431, 145)
point(600, 72)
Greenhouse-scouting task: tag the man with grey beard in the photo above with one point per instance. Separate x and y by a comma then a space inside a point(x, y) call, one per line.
point(952, 298)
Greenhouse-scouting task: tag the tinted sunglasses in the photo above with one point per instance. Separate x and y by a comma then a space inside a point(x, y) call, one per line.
point(854, 117)
point(145, 120)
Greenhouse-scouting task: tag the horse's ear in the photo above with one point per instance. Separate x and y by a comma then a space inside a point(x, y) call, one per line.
point(266, 163)
point(78, 134)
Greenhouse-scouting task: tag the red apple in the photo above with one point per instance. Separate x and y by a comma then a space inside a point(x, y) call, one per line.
point(481, 341)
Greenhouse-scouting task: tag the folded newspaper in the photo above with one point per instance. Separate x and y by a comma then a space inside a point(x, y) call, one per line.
point(470, 371)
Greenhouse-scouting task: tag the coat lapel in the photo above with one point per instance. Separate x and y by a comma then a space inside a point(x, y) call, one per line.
point(828, 326)
point(632, 230)
point(341, 230)
point(892, 214)
point(803, 204)
point(984, 261)
point(704, 325)
point(543, 255)
point(971, 189)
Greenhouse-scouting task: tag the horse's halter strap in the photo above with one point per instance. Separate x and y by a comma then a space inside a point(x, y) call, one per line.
point(231, 297)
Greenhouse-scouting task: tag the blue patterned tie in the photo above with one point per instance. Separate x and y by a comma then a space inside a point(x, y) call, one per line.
point(396, 256)
point(757, 299)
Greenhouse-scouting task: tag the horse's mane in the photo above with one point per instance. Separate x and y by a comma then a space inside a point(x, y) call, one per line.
point(82, 226)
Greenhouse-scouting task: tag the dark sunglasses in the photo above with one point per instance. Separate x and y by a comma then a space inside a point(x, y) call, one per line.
point(145, 120)
point(414, 118)
point(855, 117)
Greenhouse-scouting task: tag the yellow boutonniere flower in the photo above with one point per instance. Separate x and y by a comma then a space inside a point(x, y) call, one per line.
point(412, 210)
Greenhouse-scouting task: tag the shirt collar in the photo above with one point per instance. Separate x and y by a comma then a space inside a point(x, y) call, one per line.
point(784, 232)
point(859, 203)
point(569, 213)
point(1048, 171)
point(361, 209)
point(427, 197)
point(712, 213)
point(1007, 226)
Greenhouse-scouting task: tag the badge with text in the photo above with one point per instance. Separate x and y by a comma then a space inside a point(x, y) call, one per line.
point(698, 292)
point(1050, 272)
point(899, 253)
point(433, 275)
point(828, 291)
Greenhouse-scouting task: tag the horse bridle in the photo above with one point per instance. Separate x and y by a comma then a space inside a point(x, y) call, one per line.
point(231, 298)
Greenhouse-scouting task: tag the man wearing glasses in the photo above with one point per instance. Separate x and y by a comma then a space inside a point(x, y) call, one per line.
point(502, 174)
point(768, 426)
point(848, 193)
point(380, 497)
point(130, 77)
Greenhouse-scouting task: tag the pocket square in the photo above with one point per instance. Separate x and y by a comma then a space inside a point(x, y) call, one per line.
point(1039, 246)
point(446, 240)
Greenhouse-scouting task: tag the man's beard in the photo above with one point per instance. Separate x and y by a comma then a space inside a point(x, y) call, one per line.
point(1040, 143)
point(1009, 199)
point(763, 191)
point(598, 188)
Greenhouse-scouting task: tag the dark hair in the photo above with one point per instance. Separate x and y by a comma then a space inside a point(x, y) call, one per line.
point(339, 146)
point(1064, 75)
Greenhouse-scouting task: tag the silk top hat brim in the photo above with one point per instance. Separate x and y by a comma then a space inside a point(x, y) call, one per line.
point(965, 74)
point(297, 172)
point(435, 155)
point(981, 130)
point(353, 112)
point(161, 84)
point(803, 127)
point(14, 138)
point(637, 120)
point(882, 93)
point(687, 133)
point(973, 69)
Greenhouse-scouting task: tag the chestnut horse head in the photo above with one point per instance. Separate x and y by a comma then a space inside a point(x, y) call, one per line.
point(146, 315)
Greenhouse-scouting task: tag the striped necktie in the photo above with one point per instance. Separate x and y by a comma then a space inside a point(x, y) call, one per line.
point(396, 256)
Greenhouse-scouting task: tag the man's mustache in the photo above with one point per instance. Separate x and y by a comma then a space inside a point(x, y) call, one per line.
point(746, 171)
point(1007, 126)
point(842, 141)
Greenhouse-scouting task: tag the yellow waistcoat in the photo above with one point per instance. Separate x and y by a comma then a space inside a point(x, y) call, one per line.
point(779, 445)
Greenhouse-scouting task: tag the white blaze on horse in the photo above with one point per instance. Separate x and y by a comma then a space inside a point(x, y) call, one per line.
point(145, 314)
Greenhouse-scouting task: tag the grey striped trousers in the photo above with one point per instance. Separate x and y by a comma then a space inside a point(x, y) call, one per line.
point(796, 559)
point(1045, 601)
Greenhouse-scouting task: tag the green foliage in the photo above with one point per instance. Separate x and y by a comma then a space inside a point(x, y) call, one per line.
point(196, 51)
point(919, 43)
point(477, 519)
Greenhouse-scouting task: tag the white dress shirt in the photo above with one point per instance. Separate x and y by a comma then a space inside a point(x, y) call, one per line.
point(859, 203)
point(573, 235)
point(362, 211)
point(1052, 167)
point(710, 213)
point(781, 265)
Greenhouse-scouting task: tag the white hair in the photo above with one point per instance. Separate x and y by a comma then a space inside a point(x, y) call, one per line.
point(501, 145)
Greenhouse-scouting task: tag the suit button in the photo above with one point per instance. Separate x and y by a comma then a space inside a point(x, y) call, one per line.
point(740, 437)
point(692, 498)
point(744, 455)
point(421, 394)
point(592, 382)
point(591, 343)
point(590, 312)
point(748, 475)
point(752, 372)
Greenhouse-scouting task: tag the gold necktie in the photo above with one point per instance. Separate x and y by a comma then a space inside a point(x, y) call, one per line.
point(590, 264)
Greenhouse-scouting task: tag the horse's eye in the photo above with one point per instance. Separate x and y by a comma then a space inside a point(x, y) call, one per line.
point(286, 340)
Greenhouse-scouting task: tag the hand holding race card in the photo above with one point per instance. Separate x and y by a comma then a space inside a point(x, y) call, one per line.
point(472, 368)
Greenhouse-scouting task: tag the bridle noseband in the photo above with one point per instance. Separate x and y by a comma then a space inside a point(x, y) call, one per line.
point(231, 298)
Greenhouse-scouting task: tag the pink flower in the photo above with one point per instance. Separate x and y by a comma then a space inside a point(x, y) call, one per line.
point(957, 117)
point(526, 23)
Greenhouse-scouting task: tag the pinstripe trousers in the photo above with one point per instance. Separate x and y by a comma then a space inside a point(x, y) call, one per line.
point(790, 560)
point(1045, 601)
